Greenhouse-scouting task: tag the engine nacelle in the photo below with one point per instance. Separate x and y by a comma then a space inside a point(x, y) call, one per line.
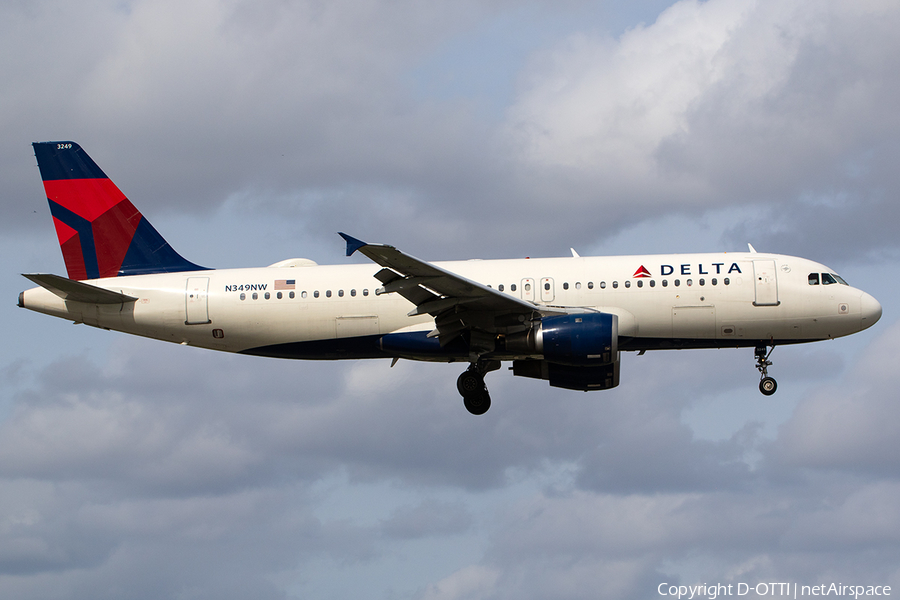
point(602, 377)
point(580, 339)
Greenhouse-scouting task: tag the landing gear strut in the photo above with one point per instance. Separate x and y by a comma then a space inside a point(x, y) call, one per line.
point(767, 385)
point(472, 388)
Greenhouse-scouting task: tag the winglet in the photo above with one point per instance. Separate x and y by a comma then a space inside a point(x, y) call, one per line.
point(752, 249)
point(353, 244)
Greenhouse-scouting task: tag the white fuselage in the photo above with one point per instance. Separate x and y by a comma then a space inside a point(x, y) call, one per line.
point(686, 300)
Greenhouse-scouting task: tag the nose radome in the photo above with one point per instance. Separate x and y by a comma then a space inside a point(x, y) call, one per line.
point(869, 309)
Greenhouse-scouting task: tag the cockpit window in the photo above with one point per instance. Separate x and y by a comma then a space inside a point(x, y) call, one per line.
point(828, 278)
point(841, 281)
point(813, 279)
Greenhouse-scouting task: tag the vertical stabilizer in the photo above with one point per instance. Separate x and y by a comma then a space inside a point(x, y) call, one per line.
point(100, 232)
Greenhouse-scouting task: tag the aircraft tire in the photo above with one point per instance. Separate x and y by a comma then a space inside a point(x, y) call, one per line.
point(767, 386)
point(470, 383)
point(477, 404)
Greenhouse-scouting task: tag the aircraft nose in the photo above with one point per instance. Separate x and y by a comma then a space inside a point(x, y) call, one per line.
point(869, 309)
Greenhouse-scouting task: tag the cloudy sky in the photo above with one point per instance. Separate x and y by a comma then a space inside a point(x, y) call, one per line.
point(250, 132)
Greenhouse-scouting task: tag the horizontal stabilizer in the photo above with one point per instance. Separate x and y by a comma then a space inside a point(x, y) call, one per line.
point(69, 289)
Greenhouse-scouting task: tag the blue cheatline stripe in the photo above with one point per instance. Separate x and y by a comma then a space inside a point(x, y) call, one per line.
point(85, 237)
point(65, 160)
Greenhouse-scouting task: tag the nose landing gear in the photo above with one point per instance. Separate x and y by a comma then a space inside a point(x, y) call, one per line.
point(471, 386)
point(767, 385)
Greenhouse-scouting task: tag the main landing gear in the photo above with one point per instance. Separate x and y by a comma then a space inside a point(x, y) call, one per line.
point(767, 385)
point(472, 388)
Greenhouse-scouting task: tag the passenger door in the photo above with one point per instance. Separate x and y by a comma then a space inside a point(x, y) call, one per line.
point(765, 283)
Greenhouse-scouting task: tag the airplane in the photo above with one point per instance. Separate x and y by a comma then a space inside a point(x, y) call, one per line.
point(564, 320)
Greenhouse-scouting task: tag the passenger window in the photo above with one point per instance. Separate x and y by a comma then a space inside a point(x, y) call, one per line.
point(512, 287)
point(665, 283)
point(353, 292)
point(268, 295)
point(677, 282)
point(702, 281)
point(640, 283)
point(590, 285)
point(365, 291)
point(527, 287)
point(714, 281)
point(565, 286)
point(577, 285)
point(291, 295)
point(602, 285)
point(316, 294)
point(827, 279)
point(652, 283)
point(615, 284)
point(500, 287)
point(278, 295)
point(547, 286)
point(255, 296)
point(813, 279)
point(243, 296)
point(303, 294)
point(628, 284)
point(726, 281)
point(341, 293)
point(689, 282)
point(328, 293)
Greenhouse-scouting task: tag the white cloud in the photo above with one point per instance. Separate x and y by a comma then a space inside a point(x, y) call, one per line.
point(788, 106)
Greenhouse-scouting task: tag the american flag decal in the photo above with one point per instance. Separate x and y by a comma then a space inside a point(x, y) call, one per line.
point(285, 284)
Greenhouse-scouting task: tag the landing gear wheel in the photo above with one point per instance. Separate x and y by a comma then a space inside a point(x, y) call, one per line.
point(767, 386)
point(470, 383)
point(477, 404)
point(471, 386)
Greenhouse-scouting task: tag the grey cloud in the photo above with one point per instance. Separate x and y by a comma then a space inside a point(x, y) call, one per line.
point(428, 518)
point(848, 427)
point(167, 471)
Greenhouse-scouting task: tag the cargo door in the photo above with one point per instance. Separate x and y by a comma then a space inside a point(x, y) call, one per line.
point(693, 322)
point(196, 301)
point(765, 283)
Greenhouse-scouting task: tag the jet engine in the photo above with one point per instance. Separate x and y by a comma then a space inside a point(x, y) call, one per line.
point(581, 339)
point(580, 351)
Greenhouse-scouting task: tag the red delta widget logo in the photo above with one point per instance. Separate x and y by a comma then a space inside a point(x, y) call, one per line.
point(689, 269)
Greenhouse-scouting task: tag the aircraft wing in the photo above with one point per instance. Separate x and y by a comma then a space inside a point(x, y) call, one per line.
point(457, 304)
point(69, 289)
